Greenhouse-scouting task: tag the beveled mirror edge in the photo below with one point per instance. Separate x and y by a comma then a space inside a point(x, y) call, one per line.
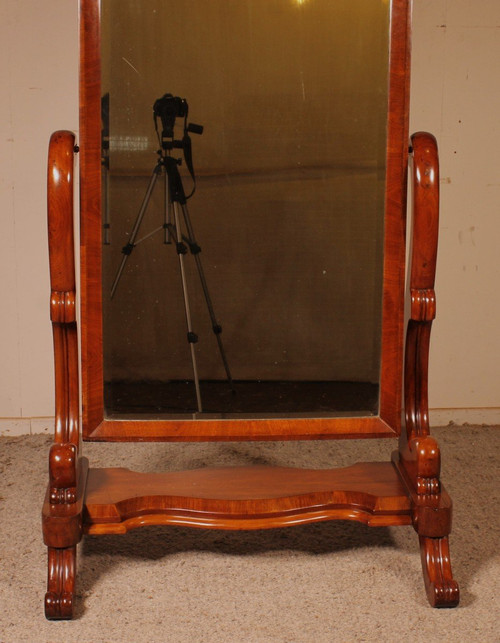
point(388, 422)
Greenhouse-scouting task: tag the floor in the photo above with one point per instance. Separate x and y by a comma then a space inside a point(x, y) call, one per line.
point(247, 397)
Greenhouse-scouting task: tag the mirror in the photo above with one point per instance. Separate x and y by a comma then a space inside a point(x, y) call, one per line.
point(282, 107)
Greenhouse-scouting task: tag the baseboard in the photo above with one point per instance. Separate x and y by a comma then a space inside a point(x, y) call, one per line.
point(489, 416)
point(438, 417)
point(26, 426)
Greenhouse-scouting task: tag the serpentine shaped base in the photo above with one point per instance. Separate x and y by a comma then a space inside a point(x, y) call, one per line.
point(244, 498)
point(255, 497)
point(61, 583)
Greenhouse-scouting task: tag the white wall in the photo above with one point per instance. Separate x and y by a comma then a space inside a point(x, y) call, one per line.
point(455, 95)
point(38, 71)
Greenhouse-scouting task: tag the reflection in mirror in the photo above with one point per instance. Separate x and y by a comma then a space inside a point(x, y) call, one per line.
point(275, 111)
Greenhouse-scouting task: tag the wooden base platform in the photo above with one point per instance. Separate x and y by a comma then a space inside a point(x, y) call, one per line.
point(118, 500)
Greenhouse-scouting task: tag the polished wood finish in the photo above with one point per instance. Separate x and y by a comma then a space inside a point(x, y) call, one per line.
point(63, 286)
point(418, 459)
point(395, 215)
point(257, 497)
point(63, 507)
point(220, 430)
point(406, 491)
point(388, 423)
point(90, 214)
point(61, 583)
point(442, 589)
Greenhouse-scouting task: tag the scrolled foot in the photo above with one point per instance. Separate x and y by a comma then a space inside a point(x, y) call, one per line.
point(442, 590)
point(61, 583)
point(58, 606)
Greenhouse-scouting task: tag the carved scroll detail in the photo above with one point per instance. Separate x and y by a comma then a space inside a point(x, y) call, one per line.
point(422, 274)
point(62, 515)
point(63, 307)
point(421, 464)
point(63, 285)
point(62, 466)
point(442, 590)
point(428, 467)
point(423, 304)
point(418, 459)
point(61, 583)
point(428, 486)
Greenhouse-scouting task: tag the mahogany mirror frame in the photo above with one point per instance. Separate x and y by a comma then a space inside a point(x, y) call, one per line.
point(388, 420)
point(404, 491)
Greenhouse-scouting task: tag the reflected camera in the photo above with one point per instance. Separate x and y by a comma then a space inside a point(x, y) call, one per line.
point(167, 109)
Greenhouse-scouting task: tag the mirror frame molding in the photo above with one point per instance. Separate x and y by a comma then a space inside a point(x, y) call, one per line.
point(388, 421)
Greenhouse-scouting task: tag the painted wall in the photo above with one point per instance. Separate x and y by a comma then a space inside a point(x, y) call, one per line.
point(38, 72)
point(455, 95)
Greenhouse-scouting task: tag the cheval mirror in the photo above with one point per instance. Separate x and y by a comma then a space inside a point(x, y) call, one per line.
point(243, 181)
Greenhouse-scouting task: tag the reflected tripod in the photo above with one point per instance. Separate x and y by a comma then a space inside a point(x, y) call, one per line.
point(176, 204)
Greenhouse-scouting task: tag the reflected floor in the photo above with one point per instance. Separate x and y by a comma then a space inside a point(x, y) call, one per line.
point(269, 398)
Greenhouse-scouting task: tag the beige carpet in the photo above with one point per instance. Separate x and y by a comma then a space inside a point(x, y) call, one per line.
point(333, 581)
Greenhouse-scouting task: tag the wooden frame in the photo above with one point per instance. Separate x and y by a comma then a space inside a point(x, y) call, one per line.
point(405, 491)
point(388, 421)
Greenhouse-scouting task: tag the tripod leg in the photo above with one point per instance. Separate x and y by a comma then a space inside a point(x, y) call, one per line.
point(192, 337)
point(216, 327)
point(127, 249)
point(105, 201)
point(167, 204)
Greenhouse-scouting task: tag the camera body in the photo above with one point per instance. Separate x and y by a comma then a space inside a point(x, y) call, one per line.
point(167, 109)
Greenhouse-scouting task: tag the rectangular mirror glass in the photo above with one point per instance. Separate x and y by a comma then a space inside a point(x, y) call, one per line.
point(243, 174)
